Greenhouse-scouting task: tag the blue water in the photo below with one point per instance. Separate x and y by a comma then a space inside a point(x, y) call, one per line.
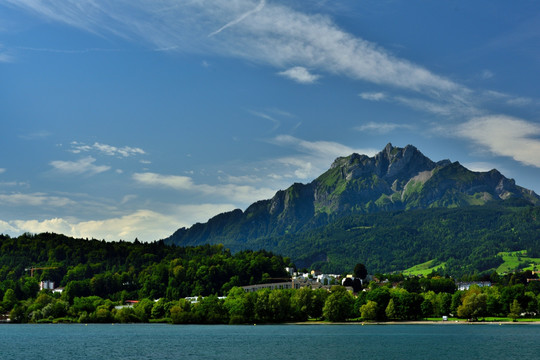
point(158, 341)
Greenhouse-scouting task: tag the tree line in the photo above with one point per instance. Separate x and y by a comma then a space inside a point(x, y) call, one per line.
point(411, 299)
point(98, 277)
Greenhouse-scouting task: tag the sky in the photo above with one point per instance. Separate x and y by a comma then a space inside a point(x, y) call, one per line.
point(124, 119)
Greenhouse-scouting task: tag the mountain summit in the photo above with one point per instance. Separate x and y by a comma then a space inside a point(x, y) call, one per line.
point(394, 179)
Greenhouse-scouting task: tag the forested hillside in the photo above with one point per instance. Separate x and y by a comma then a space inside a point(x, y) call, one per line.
point(125, 270)
point(391, 211)
point(462, 240)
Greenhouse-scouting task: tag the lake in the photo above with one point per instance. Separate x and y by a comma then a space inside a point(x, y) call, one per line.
point(159, 341)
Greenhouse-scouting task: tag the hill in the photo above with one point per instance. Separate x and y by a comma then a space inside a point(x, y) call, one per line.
point(396, 184)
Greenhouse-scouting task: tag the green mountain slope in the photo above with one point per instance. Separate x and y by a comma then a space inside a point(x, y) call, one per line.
point(358, 186)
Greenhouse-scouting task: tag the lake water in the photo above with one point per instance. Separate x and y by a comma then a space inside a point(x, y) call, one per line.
point(159, 341)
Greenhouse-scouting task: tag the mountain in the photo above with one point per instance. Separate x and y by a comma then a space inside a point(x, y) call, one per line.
point(394, 180)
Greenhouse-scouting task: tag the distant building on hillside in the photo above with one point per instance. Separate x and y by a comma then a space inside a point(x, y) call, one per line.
point(467, 285)
point(46, 285)
point(271, 286)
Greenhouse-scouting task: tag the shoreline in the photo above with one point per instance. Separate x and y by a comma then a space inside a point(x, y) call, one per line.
point(419, 322)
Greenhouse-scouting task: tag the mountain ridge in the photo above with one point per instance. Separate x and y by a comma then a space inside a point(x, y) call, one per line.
point(395, 179)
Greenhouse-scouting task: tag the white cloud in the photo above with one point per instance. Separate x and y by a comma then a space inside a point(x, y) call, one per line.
point(505, 136)
point(258, 8)
point(146, 225)
point(36, 135)
point(2, 170)
point(239, 193)
point(373, 96)
point(126, 151)
point(4, 56)
point(300, 75)
point(480, 166)
point(276, 122)
point(486, 74)
point(270, 33)
point(444, 108)
point(506, 98)
point(314, 156)
point(82, 166)
point(176, 182)
point(382, 128)
point(34, 199)
point(319, 148)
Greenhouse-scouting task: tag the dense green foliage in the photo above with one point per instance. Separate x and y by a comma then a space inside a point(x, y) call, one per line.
point(466, 239)
point(401, 299)
point(118, 271)
point(391, 211)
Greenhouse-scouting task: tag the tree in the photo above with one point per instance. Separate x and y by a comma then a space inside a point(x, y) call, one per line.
point(181, 312)
point(474, 305)
point(515, 310)
point(360, 271)
point(9, 299)
point(338, 306)
point(357, 285)
point(390, 310)
point(302, 303)
point(369, 310)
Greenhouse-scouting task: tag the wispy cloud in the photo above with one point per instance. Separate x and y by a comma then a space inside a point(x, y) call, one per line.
point(505, 136)
point(82, 166)
point(236, 192)
point(271, 33)
point(2, 170)
point(67, 51)
point(239, 18)
point(34, 199)
point(486, 74)
point(265, 116)
point(104, 149)
point(312, 158)
point(300, 75)
point(319, 148)
point(382, 128)
point(5, 57)
point(480, 166)
point(373, 96)
point(508, 99)
point(36, 135)
point(146, 225)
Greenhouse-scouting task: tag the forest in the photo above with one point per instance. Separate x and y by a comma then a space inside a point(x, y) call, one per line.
point(148, 282)
point(467, 239)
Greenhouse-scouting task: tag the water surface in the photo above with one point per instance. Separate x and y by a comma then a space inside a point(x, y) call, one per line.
point(159, 341)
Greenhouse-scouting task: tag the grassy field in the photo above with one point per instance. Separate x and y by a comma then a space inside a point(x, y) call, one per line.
point(424, 268)
point(514, 260)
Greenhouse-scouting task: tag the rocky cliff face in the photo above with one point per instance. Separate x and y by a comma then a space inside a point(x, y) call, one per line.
point(394, 179)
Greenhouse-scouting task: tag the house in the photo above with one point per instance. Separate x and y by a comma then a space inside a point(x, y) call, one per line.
point(271, 286)
point(466, 285)
point(46, 285)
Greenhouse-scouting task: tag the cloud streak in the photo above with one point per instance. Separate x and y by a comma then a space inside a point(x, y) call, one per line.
point(270, 33)
point(505, 136)
point(34, 199)
point(382, 128)
point(104, 149)
point(313, 157)
point(82, 166)
point(239, 19)
point(300, 75)
point(146, 225)
point(238, 193)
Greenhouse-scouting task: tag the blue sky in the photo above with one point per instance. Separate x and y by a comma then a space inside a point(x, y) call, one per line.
point(124, 119)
